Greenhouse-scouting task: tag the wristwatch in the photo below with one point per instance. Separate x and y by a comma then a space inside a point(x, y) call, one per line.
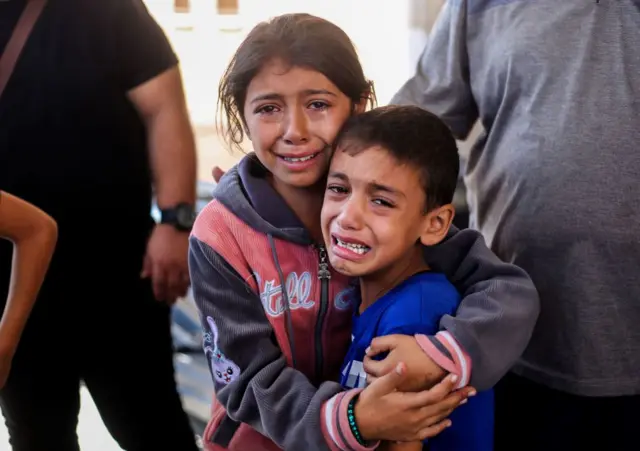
point(181, 216)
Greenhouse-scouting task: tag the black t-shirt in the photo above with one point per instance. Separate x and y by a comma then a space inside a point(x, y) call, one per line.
point(70, 140)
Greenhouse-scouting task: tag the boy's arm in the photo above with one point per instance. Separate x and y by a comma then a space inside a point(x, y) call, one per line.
point(34, 236)
point(251, 376)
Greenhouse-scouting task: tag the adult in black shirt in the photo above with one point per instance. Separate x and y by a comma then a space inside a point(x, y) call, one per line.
point(92, 115)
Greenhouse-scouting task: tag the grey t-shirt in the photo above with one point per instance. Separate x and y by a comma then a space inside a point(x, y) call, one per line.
point(554, 183)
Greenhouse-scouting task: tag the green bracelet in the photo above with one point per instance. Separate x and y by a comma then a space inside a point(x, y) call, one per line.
point(352, 420)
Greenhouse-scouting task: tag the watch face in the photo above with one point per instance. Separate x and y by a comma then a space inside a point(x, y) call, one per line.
point(185, 215)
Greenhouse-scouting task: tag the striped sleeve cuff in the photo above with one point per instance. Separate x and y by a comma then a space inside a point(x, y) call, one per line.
point(335, 424)
point(448, 354)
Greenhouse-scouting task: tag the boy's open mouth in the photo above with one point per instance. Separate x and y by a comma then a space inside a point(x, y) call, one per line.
point(357, 248)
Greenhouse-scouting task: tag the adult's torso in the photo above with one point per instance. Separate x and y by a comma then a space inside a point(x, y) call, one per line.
point(554, 184)
point(70, 141)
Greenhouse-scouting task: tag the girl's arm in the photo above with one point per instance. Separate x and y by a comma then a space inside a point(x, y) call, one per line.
point(491, 327)
point(257, 387)
point(401, 446)
point(250, 373)
point(495, 319)
point(34, 236)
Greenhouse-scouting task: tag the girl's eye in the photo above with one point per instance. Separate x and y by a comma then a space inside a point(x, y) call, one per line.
point(337, 189)
point(383, 203)
point(319, 105)
point(267, 109)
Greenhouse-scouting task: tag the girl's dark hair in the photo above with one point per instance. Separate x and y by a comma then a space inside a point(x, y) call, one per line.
point(298, 40)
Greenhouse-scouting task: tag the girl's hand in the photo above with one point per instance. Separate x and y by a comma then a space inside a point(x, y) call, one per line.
point(384, 413)
point(422, 373)
point(217, 173)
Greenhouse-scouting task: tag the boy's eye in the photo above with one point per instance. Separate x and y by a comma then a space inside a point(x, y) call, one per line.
point(383, 203)
point(267, 109)
point(337, 189)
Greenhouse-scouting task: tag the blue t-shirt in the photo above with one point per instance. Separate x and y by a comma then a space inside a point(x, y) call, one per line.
point(415, 307)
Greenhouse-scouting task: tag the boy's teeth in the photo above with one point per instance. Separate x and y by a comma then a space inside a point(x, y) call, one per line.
point(297, 160)
point(357, 248)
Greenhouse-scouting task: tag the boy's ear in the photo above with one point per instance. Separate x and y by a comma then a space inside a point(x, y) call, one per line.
point(436, 225)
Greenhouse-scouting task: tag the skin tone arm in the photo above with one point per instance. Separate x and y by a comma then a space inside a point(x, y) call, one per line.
point(398, 446)
point(423, 372)
point(34, 235)
point(161, 103)
point(383, 405)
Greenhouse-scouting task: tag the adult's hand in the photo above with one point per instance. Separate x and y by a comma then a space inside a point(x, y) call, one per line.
point(422, 371)
point(166, 263)
point(384, 413)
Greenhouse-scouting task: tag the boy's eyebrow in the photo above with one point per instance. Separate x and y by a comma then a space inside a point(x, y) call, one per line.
point(373, 186)
point(338, 175)
point(384, 188)
point(276, 96)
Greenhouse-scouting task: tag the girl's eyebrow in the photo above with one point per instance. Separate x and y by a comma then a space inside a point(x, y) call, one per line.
point(276, 96)
point(311, 92)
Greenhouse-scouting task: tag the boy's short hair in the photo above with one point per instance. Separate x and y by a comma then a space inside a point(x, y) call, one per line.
point(412, 136)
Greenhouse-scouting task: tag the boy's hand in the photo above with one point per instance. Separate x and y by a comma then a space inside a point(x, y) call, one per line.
point(422, 372)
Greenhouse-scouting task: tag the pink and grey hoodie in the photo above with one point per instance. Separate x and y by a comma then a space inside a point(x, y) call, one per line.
point(275, 353)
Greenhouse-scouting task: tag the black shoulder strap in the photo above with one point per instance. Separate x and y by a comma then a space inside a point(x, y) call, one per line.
point(18, 39)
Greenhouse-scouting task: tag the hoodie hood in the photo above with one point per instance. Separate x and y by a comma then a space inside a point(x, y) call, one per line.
point(246, 191)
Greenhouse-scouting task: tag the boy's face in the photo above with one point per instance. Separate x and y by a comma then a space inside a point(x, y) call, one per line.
point(373, 213)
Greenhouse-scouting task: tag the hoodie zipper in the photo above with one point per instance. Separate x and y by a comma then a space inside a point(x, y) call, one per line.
point(324, 275)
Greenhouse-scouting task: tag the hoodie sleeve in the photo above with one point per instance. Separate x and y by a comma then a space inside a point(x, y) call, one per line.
point(495, 318)
point(250, 373)
point(441, 81)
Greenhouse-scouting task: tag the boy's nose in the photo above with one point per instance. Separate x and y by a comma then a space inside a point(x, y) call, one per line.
point(351, 217)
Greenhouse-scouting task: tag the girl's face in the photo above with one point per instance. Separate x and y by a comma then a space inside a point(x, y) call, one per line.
point(292, 116)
